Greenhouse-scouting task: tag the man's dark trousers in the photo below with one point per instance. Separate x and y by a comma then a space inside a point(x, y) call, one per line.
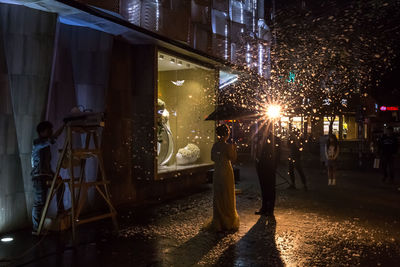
point(388, 166)
point(295, 164)
point(40, 189)
point(267, 180)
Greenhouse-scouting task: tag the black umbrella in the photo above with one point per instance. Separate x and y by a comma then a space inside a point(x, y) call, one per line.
point(228, 112)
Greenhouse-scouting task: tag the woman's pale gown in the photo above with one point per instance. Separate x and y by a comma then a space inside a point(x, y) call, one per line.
point(225, 216)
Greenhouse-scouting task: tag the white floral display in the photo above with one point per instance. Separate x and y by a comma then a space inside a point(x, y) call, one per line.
point(188, 154)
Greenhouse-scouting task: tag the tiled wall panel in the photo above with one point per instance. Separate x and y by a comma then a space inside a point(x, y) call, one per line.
point(80, 78)
point(12, 197)
point(28, 38)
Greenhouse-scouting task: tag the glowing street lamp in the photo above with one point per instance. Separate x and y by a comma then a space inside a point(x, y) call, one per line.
point(273, 111)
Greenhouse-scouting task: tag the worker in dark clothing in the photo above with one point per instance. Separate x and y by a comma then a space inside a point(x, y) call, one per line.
point(295, 145)
point(388, 148)
point(42, 173)
point(266, 163)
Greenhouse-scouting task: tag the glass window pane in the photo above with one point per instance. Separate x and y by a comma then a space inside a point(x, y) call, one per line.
point(186, 96)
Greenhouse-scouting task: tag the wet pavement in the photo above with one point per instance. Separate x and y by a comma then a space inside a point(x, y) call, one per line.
point(356, 223)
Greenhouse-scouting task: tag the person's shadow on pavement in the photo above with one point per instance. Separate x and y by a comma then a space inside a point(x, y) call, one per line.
point(193, 250)
point(256, 248)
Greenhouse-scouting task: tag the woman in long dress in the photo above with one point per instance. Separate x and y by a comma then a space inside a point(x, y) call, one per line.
point(331, 153)
point(225, 216)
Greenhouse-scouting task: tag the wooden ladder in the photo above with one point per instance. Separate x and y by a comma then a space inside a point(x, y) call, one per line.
point(78, 186)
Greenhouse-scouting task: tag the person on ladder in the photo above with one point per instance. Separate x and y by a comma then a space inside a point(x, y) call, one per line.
point(42, 173)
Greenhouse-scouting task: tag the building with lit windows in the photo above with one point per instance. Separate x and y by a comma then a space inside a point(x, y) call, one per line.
point(154, 67)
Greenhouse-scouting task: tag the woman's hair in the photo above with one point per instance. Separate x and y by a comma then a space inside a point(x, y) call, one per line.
point(222, 130)
point(332, 143)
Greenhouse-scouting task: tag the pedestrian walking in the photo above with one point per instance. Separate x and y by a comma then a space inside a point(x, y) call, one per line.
point(225, 216)
point(42, 174)
point(266, 164)
point(387, 149)
point(331, 154)
point(295, 144)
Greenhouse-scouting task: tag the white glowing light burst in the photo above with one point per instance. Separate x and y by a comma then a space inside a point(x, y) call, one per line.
point(7, 239)
point(273, 111)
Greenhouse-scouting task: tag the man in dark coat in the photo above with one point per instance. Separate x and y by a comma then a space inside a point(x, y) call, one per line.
point(266, 164)
point(388, 148)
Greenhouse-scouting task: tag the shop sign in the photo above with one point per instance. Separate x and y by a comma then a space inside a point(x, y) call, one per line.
point(385, 108)
point(326, 102)
point(292, 77)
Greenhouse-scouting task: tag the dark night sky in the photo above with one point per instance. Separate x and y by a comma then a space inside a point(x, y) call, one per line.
point(388, 92)
point(377, 21)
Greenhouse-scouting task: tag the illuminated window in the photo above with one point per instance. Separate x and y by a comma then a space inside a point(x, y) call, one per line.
point(186, 93)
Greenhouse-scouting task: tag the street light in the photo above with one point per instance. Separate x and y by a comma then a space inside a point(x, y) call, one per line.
point(273, 111)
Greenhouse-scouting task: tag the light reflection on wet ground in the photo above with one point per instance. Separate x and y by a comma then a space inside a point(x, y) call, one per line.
point(325, 226)
point(355, 223)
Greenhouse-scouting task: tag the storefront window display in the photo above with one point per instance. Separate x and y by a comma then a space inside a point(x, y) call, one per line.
point(186, 95)
point(297, 122)
point(344, 125)
point(335, 126)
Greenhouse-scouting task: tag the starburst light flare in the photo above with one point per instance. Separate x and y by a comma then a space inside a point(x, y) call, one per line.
point(273, 111)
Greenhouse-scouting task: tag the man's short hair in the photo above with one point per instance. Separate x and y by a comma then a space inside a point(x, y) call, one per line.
point(42, 126)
